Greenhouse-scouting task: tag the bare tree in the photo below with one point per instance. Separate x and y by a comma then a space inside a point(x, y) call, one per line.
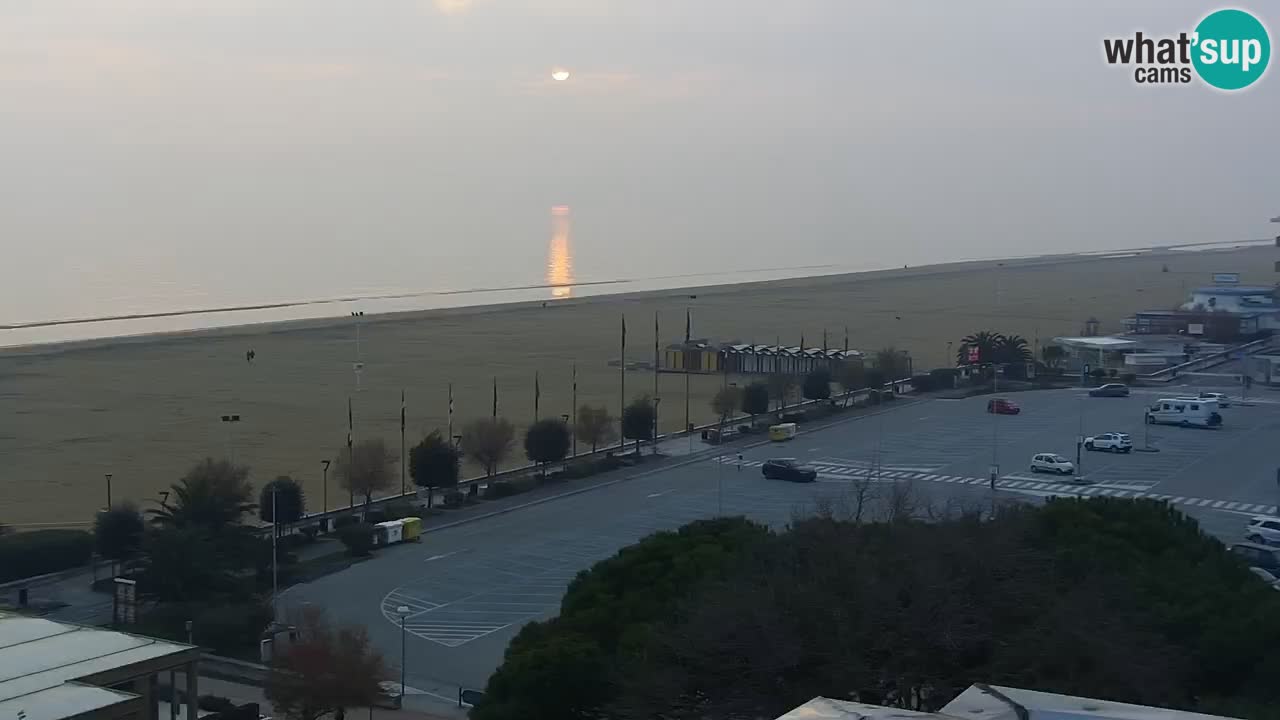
point(595, 426)
point(488, 442)
point(726, 402)
point(781, 386)
point(325, 671)
point(367, 468)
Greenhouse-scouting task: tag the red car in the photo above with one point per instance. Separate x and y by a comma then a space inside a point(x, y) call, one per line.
point(1000, 406)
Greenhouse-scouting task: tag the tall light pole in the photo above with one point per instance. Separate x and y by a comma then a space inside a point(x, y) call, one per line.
point(995, 389)
point(403, 612)
point(275, 578)
point(656, 402)
point(325, 465)
point(108, 476)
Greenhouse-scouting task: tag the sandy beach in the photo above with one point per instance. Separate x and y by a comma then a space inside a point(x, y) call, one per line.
point(145, 409)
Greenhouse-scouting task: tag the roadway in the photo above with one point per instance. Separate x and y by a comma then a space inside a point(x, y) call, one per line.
point(471, 587)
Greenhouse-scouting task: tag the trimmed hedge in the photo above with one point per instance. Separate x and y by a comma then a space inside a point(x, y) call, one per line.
point(43, 551)
point(358, 538)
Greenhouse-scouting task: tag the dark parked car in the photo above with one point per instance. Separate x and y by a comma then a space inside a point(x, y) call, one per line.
point(1262, 556)
point(788, 469)
point(1110, 390)
point(1000, 406)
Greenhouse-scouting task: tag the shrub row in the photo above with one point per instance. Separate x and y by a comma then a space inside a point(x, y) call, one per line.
point(43, 551)
point(225, 628)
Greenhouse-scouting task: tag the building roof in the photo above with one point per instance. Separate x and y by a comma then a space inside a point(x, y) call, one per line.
point(1235, 290)
point(1104, 342)
point(42, 660)
point(992, 702)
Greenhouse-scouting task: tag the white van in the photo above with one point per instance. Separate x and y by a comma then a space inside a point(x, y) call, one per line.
point(782, 432)
point(1186, 412)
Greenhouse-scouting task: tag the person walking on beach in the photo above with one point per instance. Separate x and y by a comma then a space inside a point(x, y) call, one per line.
point(249, 356)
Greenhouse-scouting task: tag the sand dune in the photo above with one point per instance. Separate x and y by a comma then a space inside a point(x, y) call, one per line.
point(145, 409)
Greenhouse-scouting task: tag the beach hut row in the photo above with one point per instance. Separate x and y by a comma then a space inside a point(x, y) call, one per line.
point(700, 356)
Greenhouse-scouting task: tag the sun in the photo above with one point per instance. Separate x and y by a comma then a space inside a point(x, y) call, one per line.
point(560, 74)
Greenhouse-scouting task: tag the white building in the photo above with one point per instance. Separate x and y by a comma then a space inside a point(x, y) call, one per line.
point(992, 702)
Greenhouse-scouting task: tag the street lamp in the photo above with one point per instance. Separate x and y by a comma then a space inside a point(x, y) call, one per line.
point(403, 612)
point(275, 533)
point(325, 464)
point(108, 476)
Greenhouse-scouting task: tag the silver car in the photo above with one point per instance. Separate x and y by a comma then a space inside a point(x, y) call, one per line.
point(1263, 530)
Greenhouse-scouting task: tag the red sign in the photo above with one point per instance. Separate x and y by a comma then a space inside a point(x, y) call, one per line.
point(973, 354)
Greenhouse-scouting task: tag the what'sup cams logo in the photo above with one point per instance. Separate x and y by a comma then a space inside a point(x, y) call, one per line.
point(1228, 50)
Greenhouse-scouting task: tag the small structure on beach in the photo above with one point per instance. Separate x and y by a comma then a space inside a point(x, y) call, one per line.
point(702, 356)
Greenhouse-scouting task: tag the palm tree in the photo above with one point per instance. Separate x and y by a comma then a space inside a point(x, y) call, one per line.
point(987, 343)
point(1013, 349)
point(212, 495)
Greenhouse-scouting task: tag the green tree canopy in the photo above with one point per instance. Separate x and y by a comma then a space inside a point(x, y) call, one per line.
point(755, 399)
point(118, 532)
point(637, 420)
point(986, 341)
point(434, 463)
point(1061, 598)
point(817, 385)
point(212, 495)
point(547, 441)
point(281, 502)
point(562, 668)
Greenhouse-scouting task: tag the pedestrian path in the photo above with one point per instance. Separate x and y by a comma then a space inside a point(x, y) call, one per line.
point(1040, 486)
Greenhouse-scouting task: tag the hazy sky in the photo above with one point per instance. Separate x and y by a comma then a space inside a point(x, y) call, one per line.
point(194, 152)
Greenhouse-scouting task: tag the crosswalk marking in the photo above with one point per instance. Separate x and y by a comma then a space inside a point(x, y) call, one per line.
point(844, 473)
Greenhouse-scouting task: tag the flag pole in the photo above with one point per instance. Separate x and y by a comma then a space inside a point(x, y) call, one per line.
point(537, 396)
point(574, 409)
point(656, 401)
point(450, 438)
point(402, 455)
point(351, 424)
point(622, 387)
point(688, 327)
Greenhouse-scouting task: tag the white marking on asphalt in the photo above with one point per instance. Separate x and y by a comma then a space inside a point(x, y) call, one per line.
point(441, 556)
point(1233, 505)
point(1177, 500)
point(1219, 503)
point(660, 494)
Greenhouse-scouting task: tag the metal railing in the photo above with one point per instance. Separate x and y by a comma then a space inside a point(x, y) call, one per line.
point(1201, 363)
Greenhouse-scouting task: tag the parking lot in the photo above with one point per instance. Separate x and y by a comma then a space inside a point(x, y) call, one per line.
point(469, 589)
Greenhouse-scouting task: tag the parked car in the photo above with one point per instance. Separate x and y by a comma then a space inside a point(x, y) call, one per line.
point(1049, 462)
point(1266, 577)
point(1001, 406)
point(1222, 399)
point(1259, 556)
point(1110, 390)
point(788, 469)
point(1263, 530)
point(1110, 442)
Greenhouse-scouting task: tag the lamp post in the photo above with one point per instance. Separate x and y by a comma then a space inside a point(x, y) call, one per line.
point(275, 581)
point(108, 476)
point(403, 612)
point(325, 465)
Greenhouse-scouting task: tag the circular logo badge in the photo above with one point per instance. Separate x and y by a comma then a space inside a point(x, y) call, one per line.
point(1232, 49)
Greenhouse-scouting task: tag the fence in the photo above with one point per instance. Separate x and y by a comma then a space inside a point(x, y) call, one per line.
point(1202, 363)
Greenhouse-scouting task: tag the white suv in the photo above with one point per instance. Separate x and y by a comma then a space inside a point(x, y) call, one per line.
point(1049, 462)
point(1263, 530)
point(1111, 442)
